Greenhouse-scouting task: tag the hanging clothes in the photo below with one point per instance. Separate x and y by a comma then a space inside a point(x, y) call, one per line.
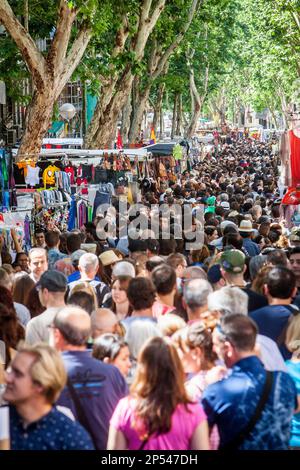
point(49, 175)
point(72, 214)
point(32, 178)
point(71, 172)
point(295, 158)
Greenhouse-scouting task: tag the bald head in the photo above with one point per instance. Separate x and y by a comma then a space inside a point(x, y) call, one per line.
point(103, 321)
point(74, 324)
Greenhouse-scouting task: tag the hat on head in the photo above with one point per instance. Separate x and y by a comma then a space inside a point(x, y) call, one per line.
point(108, 257)
point(233, 214)
point(225, 205)
point(246, 226)
point(232, 261)
point(77, 255)
point(214, 274)
point(169, 190)
point(123, 268)
point(54, 281)
point(225, 223)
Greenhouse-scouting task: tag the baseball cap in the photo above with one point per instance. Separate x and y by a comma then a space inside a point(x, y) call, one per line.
point(54, 281)
point(123, 268)
point(214, 274)
point(232, 261)
point(77, 255)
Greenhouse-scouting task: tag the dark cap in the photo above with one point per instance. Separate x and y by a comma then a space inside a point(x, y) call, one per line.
point(214, 274)
point(54, 281)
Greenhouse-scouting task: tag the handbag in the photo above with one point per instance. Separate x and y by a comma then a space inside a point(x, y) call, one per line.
point(236, 442)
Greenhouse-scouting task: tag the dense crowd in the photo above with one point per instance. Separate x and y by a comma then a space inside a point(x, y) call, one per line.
point(151, 342)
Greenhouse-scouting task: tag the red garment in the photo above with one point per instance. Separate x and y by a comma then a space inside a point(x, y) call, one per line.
point(84, 184)
point(291, 197)
point(295, 158)
point(71, 173)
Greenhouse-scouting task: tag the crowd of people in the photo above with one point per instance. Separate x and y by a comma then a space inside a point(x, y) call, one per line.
point(149, 343)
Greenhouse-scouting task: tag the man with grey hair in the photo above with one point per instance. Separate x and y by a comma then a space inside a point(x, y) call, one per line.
point(38, 263)
point(88, 267)
point(228, 300)
point(195, 296)
point(93, 388)
point(232, 301)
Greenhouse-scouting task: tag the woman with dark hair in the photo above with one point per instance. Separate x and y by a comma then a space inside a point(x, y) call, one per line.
point(112, 349)
point(34, 304)
point(22, 287)
point(120, 303)
point(11, 331)
point(158, 414)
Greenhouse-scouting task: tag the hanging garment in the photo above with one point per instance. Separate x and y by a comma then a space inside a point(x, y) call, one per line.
point(295, 158)
point(32, 178)
point(72, 215)
point(82, 182)
point(87, 171)
point(49, 175)
point(100, 175)
point(81, 214)
point(101, 198)
point(70, 170)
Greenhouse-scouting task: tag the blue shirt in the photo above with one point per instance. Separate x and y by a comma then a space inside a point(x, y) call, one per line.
point(294, 371)
point(271, 321)
point(54, 255)
point(55, 431)
point(231, 403)
point(99, 387)
point(75, 276)
point(250, 248)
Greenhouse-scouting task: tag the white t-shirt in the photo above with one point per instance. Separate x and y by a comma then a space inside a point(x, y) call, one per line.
point(270, 354)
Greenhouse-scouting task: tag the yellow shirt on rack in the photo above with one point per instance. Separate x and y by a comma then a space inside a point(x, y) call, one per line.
point(49, 175)
point(23, 165)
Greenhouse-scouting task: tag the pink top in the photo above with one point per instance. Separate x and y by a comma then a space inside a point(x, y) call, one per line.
point(185, 420)
point(159, 309)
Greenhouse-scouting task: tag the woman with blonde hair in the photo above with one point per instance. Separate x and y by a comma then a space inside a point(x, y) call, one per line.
point(293, 366)
point(158, 414)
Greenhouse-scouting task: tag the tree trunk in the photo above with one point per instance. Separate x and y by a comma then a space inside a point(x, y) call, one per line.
point(158, 106)
point(38, 119)
point(103, 126)
point(274, 118)
point(104, 122)
point(174, 115)
point(126, 113)
point(161, 123)
point(137, 115)
point(179, 115)
point(198, 100)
